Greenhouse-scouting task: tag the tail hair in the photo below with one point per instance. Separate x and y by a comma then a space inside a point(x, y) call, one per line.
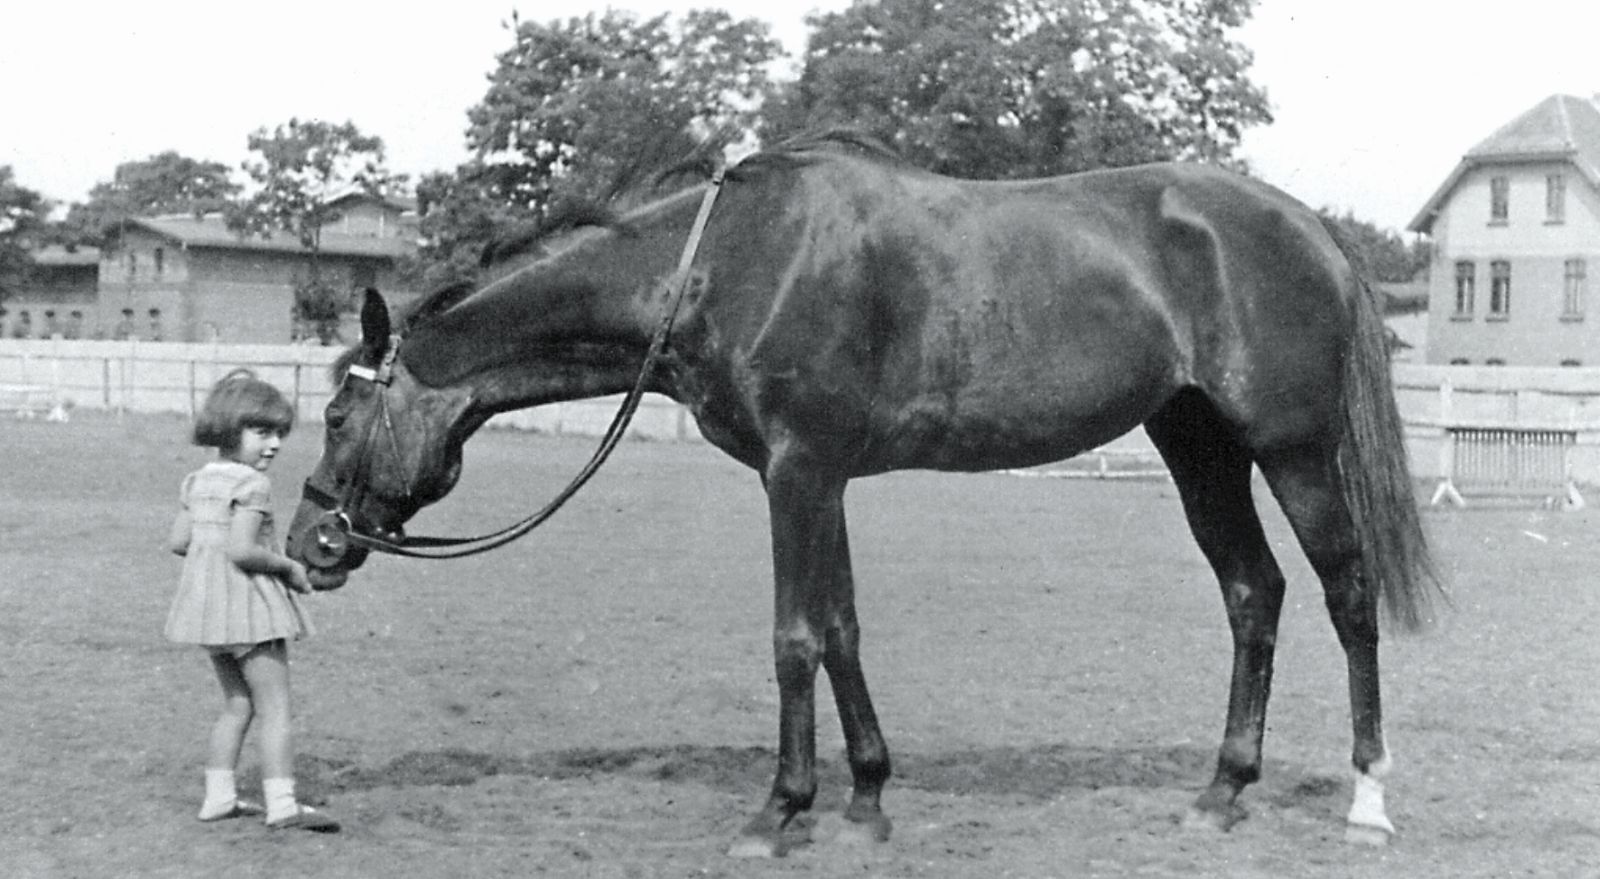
point(1376, 476)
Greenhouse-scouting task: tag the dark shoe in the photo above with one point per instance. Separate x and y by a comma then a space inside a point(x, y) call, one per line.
point(241, 809)
point(305, 818)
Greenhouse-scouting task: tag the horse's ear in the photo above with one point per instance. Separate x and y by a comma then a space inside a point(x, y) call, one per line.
point(374, 322)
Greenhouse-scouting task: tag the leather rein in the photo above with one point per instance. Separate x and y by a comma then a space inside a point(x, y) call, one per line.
point(335, 531)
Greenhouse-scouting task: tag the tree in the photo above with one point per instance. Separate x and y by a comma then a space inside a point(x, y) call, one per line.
point(23, 216)
point(302, 167)
point(165, 183)
point(1027, 88)
point(585, 108)
point(1378, 254)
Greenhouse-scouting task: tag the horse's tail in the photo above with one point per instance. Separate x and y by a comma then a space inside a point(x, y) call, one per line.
point(1376, 475)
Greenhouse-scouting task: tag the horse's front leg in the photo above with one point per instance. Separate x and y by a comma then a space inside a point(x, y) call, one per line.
point(864, 744)
point(807, 509)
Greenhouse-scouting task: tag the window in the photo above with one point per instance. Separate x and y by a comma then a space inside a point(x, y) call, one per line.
point(1460, 361)
point(133, 264)
point(1494, 361)
point(1571, 361)
point(1555, 198)
point(1466, 286)
point(161, 260)
point(1572, 288)
point(1499, 200)
point(1500, 289)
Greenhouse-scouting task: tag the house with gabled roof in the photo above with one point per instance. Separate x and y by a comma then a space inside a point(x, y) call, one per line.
point(1516, 234)
point(192, 279)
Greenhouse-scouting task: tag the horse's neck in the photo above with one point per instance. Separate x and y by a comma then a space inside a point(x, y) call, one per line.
point(534, 338)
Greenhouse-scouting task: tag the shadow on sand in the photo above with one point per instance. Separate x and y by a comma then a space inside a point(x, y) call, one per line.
point(1042, 771)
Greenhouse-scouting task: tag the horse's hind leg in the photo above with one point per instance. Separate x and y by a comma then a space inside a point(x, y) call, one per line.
point(1305, 481)
point(1211, 469)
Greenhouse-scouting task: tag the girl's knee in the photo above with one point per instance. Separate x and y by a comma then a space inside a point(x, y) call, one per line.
point(239, 706)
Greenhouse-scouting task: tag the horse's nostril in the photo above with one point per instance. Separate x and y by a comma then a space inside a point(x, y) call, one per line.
point(327, 541)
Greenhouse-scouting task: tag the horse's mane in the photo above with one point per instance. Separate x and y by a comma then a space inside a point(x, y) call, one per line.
point(570, 214)
point(810, 147)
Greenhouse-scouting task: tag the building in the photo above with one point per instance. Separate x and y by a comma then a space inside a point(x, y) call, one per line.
point(192, 279)
point(58, 298)
point(1516, 230)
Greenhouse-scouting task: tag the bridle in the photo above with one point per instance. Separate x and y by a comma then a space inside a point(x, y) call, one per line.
point(334, 532)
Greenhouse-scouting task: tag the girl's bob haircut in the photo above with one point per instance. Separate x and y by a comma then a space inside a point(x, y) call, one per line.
point(238, 401)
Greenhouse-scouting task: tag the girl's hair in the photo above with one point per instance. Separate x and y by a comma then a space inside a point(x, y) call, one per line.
point(238, 401)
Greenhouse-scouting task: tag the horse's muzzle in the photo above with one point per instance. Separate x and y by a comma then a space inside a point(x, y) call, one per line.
point(327, 541)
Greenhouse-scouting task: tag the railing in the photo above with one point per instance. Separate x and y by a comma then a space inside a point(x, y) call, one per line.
point(1440, 404)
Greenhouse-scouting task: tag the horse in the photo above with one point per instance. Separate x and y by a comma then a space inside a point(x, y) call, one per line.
point(848, 314)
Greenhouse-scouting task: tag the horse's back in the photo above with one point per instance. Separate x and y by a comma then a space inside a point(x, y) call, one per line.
point(970, 325)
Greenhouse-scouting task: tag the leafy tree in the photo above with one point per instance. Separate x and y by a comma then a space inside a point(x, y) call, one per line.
point(1379, 254)
point(165, 183)
point(1026, 88)
point(301, 167)
point(23, 215)
point(584, 108)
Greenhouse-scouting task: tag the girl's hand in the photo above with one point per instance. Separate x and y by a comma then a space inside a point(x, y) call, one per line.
point(296, 578)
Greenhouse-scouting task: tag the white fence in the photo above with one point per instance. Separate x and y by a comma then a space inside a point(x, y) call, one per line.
point(172, 377)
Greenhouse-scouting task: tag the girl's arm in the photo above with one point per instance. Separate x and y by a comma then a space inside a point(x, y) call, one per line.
point(178, 537)
point(244, 551)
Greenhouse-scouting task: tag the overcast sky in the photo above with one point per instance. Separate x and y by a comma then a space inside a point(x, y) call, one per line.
point(1376, 100)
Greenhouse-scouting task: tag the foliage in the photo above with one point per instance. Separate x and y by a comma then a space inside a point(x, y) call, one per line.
point(303, 166)
point(1026, 88)
point(1378, 254)
point(165, 183)
point(23, 214)
point(586, 108)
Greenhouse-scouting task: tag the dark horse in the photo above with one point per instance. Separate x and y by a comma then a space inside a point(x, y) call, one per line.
point(851, 315)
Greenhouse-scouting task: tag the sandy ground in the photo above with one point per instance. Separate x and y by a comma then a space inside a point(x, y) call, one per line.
point(1049, 658)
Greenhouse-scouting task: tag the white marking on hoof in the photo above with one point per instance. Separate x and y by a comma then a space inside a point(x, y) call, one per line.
point(753, 847)
point(1361, 834)
point(1367, 822)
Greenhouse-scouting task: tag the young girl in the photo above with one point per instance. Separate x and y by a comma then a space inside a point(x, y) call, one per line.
point(236, 597)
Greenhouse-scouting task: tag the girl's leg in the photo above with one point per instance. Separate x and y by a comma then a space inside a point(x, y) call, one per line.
point(227, 738)
point(266, 674)
point(266, 668)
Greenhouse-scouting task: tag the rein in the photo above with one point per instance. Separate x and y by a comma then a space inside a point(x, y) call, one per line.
point(333, 537)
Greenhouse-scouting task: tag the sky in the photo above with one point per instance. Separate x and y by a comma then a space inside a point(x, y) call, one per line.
point(1375, 100)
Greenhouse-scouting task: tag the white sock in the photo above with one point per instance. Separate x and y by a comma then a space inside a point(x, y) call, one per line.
point(221, 793)
point(280, 797)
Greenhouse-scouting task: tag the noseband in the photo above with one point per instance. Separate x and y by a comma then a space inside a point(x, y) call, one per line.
point(334, 533)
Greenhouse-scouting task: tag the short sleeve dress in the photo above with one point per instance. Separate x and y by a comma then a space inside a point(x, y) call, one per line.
point(219, 604)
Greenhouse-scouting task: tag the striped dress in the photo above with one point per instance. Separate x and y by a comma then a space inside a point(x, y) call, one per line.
point(217, 602)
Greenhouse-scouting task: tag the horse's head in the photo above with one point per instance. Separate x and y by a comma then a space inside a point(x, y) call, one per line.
point(391, 447)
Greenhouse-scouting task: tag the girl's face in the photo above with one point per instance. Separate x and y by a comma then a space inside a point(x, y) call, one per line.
point(257, 447)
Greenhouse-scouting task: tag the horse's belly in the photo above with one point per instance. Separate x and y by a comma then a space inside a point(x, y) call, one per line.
point(989, 428)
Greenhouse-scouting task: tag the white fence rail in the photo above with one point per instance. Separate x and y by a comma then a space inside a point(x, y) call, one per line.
point(172, 377)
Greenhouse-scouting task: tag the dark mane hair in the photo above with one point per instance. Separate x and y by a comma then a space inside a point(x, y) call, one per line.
point(564, 216)
point(568, 214)
point(808, 147)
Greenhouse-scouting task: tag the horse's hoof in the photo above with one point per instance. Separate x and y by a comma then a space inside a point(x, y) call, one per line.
point(863, 832)
point(1213, 820)
point(1367, 834)
point(755, 847)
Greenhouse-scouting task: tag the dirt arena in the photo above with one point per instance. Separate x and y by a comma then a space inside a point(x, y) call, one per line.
point(1049, 660)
